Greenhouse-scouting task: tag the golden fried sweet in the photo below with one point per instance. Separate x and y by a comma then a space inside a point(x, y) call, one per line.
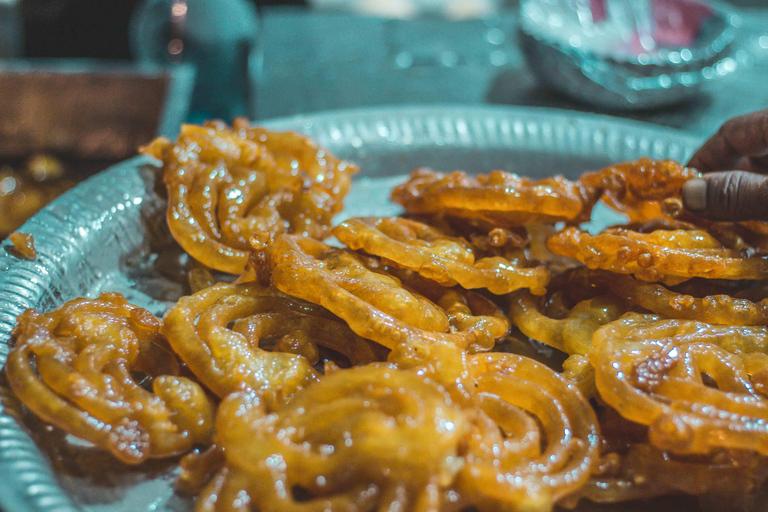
point(227, 184)
point(669, 256)
point(78, 368)
point(537, 250)
point(23, 244)
point(640, 188)
point(698, 387)
point(516, 436)
point(570, 332)
point(632, 469)
point(555, 466)
point(756, 231)
point(222, 333)
point(717, 308)
point(486, 238)
point(646, 472)
point(578, 370)
point(198, 468)
point(498, 241)
point(374, 303)
point(568, 329)
point(366, 438)
point(499, 198)
point(444, 259)
point(534, 437)
point(227, 491)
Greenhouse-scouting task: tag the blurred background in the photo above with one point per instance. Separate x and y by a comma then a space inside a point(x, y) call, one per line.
point(99, 29)
point(272, 58)
point(84, 82)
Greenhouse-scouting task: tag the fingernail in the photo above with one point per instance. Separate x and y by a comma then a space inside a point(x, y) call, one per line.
point(694, 194)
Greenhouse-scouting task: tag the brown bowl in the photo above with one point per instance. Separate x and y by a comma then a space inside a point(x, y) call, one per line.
point(88, 110)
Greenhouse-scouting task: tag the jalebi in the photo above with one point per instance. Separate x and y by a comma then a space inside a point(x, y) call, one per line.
point(366, 438)
point(383, 374)
point(374, 303)
point(669, 256)
point(82, 367)
point(698, 387)
point(718, 308)
point(500, 198)
point(446, 260)
point(378, 437)
point(227, 184)
point(632, 469)
point(642, 189)
point(568, 330)
point(222, 333)
point(573, 332)
point(534, 437)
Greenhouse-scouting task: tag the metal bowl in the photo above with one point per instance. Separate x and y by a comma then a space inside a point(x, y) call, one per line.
point(619, 81)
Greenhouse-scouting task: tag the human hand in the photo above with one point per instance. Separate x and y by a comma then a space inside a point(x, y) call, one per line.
point(735, 163)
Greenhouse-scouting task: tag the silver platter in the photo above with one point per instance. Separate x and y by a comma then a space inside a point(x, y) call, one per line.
point(94, 237)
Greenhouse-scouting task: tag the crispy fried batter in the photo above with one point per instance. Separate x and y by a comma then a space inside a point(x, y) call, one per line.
point(359, 439)
point(516, 435)
point(24, 245)
point(500, 198)
point(77, 368)
point(534, 437)
point(374, 303)
point(573, 332)
point(570, 330)
point(227, 184)
point(669, 256)
point(632, 469)
point(718, 308)
point(222, 333)
point(652, 372)
point(444, 259)
point(643, 189)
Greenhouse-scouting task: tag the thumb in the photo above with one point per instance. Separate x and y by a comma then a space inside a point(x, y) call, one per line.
point(728, 196)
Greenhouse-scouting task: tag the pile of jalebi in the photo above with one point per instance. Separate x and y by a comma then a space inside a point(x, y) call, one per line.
point(481, 352)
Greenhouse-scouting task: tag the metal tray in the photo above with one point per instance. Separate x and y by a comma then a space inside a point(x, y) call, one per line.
point(95, 237)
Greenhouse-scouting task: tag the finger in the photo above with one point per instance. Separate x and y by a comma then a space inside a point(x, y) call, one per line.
point(731, 196)
point(742, 136)
point(757, 164)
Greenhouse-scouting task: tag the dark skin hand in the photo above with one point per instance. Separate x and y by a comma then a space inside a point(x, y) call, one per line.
point(735, 166)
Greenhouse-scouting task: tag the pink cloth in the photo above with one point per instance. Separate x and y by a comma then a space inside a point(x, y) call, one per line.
point(676, 22)
point(599, 11)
